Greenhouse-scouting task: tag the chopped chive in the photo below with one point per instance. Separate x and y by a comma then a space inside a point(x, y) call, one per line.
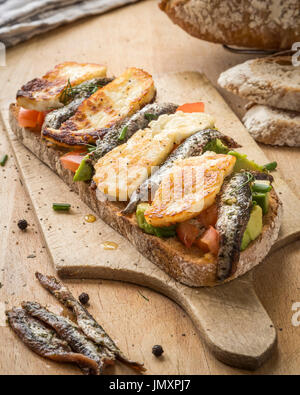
point(89, 148)
point(260, 187)
point(250, 178)
point(3, 160)
point(92, 149)
point(123, 133)
point(94, 90)
point(67, 94)
point(270, 166)
point(151, 117)
point(61, 206)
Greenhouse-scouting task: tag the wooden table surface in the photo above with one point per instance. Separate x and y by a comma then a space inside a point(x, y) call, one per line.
point(138, 35)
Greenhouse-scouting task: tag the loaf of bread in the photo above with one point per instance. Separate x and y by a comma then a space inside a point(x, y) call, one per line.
point(273, 126)
point(263, 24)
point(273, 81)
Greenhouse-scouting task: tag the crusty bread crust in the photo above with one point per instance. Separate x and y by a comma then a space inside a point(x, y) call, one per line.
point(273, 126)
point(268, 24)
point(185, 265)
point(273, 81)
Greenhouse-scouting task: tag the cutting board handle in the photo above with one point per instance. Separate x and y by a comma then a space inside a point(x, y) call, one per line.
point(232, 321)
point(230, 318)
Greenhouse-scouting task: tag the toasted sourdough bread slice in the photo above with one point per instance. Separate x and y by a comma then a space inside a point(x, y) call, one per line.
point(188, 266)
point(269, 125)
point(273, 81)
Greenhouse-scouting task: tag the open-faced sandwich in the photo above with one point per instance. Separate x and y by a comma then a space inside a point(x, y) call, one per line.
point(160, 174)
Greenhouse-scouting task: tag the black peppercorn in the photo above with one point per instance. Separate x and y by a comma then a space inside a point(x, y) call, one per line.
point(22, 224)
point(157, 350)
point(84, 298)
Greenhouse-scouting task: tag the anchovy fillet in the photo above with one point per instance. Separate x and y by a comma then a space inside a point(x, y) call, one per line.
point(85, 320)
point(234, 207)
point(55, 118)
point(192, 146)
point(82, 92)
point(140, 120)
point(70, 332)
point(44, 341)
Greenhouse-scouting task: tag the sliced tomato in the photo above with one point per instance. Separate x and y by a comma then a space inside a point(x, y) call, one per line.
point(191, 107)
point(31, 118)
point(209, 241)
point(187, 233)
point(72, 160)
point(28, 118)
point(40, 120)
point(209, 216)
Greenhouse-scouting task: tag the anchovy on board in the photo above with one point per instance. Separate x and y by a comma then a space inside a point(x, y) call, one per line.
point(44, 341)
point(82, 92)
point(70, 332)
point(140, 120)
point(85, 320)
point(192, 146)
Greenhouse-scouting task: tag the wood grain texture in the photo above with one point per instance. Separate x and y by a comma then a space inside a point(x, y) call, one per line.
point(120, 307)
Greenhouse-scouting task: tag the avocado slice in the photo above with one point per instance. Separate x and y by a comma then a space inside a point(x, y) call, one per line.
point(245, 241)
point(216, 146)
point(243, 163)
point(262, 200)
point(168, 231)
point(84, 171)
point(254, 227)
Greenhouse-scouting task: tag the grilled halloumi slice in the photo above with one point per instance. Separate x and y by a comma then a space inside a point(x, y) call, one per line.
point(107, 107)
point(121, 171)
point(43, 94)
point(190, 187)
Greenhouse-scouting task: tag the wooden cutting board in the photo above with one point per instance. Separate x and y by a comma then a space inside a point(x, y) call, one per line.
point(230, 318)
